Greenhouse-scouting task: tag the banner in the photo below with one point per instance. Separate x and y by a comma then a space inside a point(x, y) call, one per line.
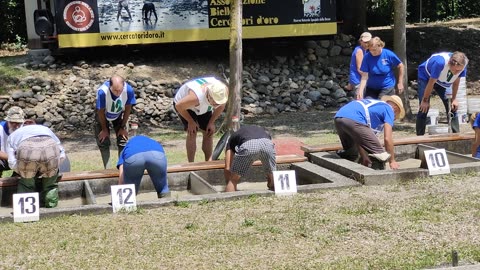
point(90, 23)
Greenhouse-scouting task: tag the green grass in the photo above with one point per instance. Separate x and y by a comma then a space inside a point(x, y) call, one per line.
point(8, 70)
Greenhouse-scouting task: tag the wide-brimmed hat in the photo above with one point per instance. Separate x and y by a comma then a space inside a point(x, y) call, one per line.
point(15, 114)
point(218, 91)
point(365, 36)
point(398, 101)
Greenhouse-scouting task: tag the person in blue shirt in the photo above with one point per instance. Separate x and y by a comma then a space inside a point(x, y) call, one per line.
point(14, 120)
point(441, 72)
point(143, 153)
point(115, 99)
point(356, 61)
point(475, 122)
point(359, 122)
point(378, 67)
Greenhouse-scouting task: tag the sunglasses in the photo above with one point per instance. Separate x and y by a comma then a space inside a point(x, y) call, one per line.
point(455, 63)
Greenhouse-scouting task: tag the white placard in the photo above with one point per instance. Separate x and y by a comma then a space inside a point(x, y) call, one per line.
point(437, 161)
point(26, 207)
point(124, 198)
point(285, 182)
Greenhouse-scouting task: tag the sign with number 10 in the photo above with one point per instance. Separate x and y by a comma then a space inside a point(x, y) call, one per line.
point(437, 162)
point(123, 198)
point(26, 207)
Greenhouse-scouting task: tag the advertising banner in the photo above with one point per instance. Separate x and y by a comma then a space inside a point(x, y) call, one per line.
point(90, 23)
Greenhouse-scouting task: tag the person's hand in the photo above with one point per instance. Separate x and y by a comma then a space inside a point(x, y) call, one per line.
point(123, 133)
point(192, 128)
point(424, 106)
point(454, 105)
point(349, 87)
point(103, 135)
point(394, 165)
point(359, 95)
point(400, 87)
point(210, 129)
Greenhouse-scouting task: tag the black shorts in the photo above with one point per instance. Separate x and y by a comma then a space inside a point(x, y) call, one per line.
point(202, 120)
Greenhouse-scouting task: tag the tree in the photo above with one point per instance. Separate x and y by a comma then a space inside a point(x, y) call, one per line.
point(400, 47)
point(354, 15)
point(236, 65)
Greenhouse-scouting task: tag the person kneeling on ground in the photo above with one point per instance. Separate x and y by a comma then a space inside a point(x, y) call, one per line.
point(357, 124)
point(246, 145)
point(35, 153)
point(142, 153)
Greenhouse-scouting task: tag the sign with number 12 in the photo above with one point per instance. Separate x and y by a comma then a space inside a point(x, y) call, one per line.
point(123, 198)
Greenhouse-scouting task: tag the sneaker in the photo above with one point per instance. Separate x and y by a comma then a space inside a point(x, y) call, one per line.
point(380, 156)
point(164, 195)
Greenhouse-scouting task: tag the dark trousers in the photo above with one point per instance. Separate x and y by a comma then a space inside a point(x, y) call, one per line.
point(353, 134)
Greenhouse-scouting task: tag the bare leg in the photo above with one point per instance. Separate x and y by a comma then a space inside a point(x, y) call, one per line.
point(207, 146)
point(232, 182)
point(191, 145)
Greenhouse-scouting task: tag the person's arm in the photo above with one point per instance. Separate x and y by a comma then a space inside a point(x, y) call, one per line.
point(455, 85)
point(188, 102)
point(363, 84)
point(120, 174)
point(358, 60)
point(228, 164)
point(401, 73)
point(126, 114)
point(211, 124)
point(12, 159)
point(425, 104)
point(3, 155)
point(103, 123)
point(389, 147)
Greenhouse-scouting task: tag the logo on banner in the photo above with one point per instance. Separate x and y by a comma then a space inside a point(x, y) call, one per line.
point(311, 8)
point(78, 15)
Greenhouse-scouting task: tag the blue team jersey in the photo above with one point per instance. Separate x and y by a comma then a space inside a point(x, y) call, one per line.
point(380, 69)
point(355, 77)
point(433, 67)
point(138, 144)
point(380, 113)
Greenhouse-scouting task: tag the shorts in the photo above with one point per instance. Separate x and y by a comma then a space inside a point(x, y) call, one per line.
point(251, 150)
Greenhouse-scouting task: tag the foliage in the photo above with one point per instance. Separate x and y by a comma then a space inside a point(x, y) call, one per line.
point(13, 20)
point(380, 12)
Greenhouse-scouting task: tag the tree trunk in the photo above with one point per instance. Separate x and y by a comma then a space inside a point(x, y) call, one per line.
point(236, 66)
point(400, 47)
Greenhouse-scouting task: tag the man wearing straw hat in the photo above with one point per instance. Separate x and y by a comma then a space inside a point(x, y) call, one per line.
point(198, 103)
point(358, 123)
point(15, 119)
point(441, 72)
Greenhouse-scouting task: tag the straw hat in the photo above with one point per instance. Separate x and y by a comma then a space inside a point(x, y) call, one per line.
point(218, 91)
point(398, 101)
point(365, 36)
point(15, 114)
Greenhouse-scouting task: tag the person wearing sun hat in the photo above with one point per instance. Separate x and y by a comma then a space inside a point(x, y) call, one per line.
point(14, 119)
point(199, 103)
point(356, 62)
point(359, 122)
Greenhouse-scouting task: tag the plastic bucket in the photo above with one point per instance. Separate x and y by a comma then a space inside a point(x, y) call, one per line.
point(437, 129)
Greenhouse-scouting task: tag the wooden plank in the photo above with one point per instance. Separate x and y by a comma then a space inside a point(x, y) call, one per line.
point(398, 141)
point(184, 167)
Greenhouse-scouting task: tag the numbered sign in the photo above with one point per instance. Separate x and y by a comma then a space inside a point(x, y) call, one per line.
point(26, 207)
point(285, 182)
point(437, 161)
point(124, 198)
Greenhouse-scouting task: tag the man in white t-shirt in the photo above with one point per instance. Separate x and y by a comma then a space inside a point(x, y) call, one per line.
point(198, 103)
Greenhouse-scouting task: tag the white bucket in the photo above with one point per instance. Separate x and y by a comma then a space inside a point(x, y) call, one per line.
point(433, 115)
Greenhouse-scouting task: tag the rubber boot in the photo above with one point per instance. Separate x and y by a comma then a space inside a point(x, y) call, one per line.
point(49, 192)
point(105, 157)
point(26, 185)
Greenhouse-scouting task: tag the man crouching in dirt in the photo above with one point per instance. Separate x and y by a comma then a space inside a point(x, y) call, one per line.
point(358, 123)
point(246, 145)
point(147, 10)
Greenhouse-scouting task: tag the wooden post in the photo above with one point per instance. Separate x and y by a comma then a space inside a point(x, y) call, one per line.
point(236, 65)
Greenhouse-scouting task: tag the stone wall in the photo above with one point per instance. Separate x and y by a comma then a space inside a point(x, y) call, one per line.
point(311, 79)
